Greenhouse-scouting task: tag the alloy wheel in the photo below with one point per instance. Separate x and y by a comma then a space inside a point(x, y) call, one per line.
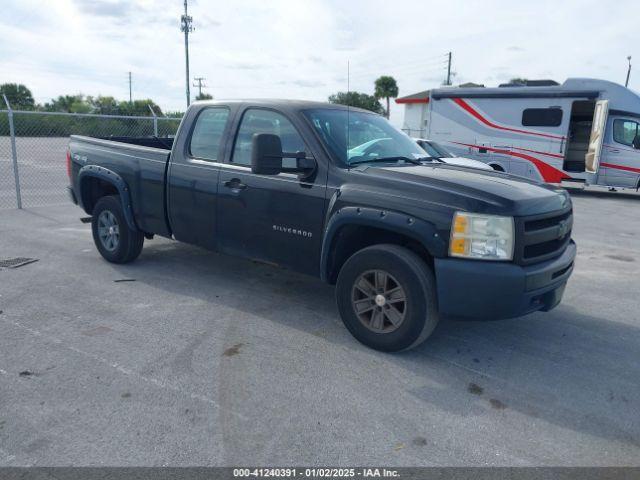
point(379, 301)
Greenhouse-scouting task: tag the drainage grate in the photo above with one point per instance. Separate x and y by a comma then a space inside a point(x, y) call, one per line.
point(16, 262)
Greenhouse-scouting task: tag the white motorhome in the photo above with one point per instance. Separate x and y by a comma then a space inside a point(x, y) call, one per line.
point(584, 130)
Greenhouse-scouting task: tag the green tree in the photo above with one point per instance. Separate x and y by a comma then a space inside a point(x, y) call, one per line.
point(19, 96)
point(104, 105)
point(139, 107)
point(204, 96)
point(386, 87)
point(518, 81)
point(68, 104)
point(357, 99)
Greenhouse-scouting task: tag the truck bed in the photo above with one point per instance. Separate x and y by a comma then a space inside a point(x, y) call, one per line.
point(163, 143)
point(141, 162)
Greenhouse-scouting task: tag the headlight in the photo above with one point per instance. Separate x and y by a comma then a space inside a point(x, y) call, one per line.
point(486, 237)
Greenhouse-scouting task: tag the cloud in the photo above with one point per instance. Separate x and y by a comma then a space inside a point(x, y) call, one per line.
point(292, 48)
point(305, 83)
point(106, 8)
point(246, 66)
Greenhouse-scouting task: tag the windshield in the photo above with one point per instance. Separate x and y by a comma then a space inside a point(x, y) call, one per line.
point(434, 149)
point(357, 137)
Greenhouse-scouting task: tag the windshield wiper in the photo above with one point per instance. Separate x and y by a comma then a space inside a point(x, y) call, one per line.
point(415, 161)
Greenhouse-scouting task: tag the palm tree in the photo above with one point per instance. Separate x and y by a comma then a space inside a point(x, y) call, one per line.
point(386, 87)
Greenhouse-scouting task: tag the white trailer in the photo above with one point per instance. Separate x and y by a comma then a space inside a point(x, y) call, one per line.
point(585, 130)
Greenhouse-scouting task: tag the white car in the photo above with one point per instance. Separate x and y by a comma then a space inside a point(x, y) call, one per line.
point(438, 151)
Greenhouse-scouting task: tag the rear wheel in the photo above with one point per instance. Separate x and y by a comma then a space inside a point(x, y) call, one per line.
point(386, 297)
point(115, 241)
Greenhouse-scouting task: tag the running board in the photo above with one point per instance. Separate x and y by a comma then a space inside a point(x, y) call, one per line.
point(573, 183)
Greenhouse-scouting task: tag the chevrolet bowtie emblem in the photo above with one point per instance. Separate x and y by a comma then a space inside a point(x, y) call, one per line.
point(563, 228)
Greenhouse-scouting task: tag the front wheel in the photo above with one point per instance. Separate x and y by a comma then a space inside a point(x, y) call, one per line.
point(386, 298)
point(115, 241)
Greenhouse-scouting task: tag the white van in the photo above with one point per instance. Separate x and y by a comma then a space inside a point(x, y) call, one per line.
point(585, 130)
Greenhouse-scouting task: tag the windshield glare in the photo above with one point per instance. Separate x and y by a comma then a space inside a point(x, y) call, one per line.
point(354, 137)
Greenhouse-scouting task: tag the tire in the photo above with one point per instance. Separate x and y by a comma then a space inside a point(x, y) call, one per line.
point(404, 269)
point(115, 241)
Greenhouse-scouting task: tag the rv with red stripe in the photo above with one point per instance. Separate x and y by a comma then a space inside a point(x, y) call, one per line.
point(584, 130)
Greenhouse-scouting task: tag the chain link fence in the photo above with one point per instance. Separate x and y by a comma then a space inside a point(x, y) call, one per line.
point(33, 148)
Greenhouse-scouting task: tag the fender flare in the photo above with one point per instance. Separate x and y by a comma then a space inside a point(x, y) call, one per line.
point(114, 179)
point(417, 229)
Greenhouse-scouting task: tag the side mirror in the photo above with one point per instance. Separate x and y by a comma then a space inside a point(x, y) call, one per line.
point(266, 154)
point(636, 142)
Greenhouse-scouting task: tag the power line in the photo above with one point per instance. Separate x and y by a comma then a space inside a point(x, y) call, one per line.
point(400, 69)
point(187, 28)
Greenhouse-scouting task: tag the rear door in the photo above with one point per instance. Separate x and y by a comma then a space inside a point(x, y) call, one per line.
point(592, 157)
point(193, 177)
point(274, 218)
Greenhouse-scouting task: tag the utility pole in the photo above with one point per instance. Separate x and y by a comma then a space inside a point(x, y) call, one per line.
point(130, 97)
point(626, 84)
point(186, 28)
point(448, 82)
point(200, 84)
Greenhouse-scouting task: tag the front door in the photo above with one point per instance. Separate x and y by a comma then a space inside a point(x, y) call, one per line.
point(620, 158)
point(273, 218)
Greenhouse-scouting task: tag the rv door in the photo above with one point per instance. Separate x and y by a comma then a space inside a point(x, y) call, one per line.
point(592, 157)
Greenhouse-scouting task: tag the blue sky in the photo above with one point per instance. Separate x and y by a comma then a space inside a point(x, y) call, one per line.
point(300, 49)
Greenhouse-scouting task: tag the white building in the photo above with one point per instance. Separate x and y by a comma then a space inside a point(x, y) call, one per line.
point(415, 113)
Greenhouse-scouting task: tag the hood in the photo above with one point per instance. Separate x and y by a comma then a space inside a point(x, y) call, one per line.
point(466, 162)
point(475, 190)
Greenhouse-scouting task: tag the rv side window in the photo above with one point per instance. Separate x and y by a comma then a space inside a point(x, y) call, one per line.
point(542, 117)
point(624, 131)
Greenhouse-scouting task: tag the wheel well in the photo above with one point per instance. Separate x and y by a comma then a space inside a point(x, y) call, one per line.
point(497, 167)
point(92, 189)
point(352, 238)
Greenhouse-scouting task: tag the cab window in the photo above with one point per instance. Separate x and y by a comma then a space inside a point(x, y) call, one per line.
point(207, 133)
point(624, 131)
point(266, 121)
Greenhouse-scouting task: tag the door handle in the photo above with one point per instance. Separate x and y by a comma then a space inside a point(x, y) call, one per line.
point(614, 151)
point(235, 184)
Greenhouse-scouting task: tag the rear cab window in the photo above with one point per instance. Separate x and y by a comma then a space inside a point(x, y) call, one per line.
point(207, 133)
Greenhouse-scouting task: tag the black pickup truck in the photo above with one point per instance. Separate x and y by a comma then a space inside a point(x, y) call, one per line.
point(340, 194)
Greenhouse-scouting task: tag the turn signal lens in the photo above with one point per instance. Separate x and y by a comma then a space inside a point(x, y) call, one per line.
point(460, 224)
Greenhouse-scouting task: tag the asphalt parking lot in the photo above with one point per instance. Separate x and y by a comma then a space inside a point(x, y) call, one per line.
point(191, 358)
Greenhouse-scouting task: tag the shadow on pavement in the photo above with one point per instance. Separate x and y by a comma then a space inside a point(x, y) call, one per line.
point(565, 367)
